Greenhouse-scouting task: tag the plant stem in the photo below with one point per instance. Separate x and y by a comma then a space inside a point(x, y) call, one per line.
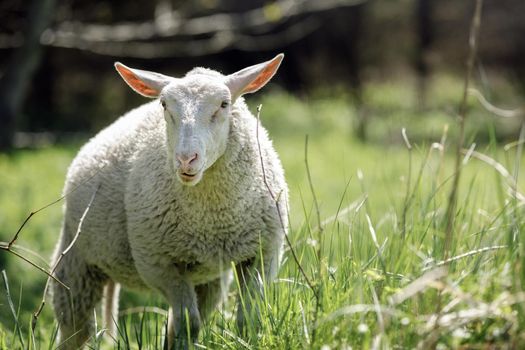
point(452, 199)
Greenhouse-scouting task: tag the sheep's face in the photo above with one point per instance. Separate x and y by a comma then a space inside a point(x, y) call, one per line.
point(197, 113)
point(197, 110)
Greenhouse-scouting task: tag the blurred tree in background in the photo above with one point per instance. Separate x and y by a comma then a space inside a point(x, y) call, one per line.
point(20, 68)
point(56, 60)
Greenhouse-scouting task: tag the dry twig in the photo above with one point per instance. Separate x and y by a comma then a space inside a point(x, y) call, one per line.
point(278, 208)
point(15, 237)
point(8, 246)
point(5, 246)
point(510, 180)
point(64, 252)
point(500, 112)
point(450, 215)
point(452, 200)
point(465, 255)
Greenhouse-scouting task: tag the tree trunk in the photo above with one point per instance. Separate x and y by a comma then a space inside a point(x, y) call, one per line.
point(354, 65)
point(20, 69)
point(423, 13)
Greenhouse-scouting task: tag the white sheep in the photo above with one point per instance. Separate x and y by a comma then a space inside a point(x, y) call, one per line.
point(179, 194)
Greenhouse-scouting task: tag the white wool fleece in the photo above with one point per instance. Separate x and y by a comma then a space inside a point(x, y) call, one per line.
point(147, 228)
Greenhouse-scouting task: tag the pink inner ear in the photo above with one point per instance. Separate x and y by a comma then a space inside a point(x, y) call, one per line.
point(264, 77)
point(137, 84)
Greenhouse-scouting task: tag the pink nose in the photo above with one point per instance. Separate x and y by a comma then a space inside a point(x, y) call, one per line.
point(186, 159)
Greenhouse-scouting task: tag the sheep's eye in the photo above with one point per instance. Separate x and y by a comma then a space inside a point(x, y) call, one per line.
point(224, 104)
point(163, 104)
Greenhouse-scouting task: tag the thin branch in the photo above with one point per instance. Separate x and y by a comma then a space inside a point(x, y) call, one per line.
point(511, 181)
point(15, 237)
point(405, 138)
point(44, 261)
point(277, 207)
point(450, 215)
point(64, 252)
point(468, 153)
point(79, 228)
point(183, 47)
point(452, 200)
point(5, 246)
point(8, 246)
point(513, 144)
point(504, 113)
point(171, 24)
point(465, 255)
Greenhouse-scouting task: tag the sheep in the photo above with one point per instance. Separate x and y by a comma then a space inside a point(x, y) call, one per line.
point(179, 192)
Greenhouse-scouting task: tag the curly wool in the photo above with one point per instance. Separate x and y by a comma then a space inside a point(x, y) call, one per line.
point(140, 208)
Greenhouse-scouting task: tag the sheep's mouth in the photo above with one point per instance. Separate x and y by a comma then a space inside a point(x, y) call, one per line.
point(189, 178)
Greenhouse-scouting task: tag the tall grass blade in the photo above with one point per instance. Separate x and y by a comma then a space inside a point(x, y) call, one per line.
point(18, 331)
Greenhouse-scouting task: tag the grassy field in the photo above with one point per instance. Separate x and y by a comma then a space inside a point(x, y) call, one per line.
point(376, 261)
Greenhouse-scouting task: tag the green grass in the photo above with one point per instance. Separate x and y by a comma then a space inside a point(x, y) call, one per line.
point(364, 261)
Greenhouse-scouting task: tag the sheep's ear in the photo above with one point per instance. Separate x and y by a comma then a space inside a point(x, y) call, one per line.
point(146, 83)
point(253, 78)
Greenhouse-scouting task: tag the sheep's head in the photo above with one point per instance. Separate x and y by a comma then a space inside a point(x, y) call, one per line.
point(197, 110)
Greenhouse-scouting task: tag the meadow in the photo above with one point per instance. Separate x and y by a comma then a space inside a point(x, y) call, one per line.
point(368, 230)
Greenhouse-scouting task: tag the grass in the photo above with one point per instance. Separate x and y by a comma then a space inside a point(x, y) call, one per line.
point(378, 282)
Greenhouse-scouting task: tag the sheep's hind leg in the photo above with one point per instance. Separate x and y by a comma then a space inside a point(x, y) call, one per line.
point(110, 305)
point(74, 308)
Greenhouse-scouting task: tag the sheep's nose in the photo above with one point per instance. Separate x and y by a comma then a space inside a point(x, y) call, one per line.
point(186, 159)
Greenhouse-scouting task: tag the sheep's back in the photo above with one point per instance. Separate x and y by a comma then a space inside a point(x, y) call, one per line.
point(103, 165)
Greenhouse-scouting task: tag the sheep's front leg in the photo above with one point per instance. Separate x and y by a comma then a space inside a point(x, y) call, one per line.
point(183, 315)
point(251, 279)
point(180, 295)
